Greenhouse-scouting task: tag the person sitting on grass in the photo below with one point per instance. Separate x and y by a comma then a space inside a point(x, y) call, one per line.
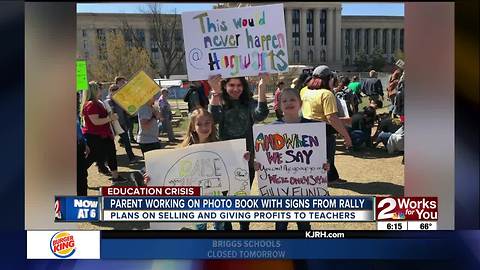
point(361, 129)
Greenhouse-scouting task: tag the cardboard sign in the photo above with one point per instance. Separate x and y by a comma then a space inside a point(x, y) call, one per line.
point(136, 92)
point(218, 167)
point(235, 42)
point(82, 81)
point(292, 158)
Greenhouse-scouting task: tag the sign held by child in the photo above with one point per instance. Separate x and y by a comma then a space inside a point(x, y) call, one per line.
point(291, 158)
point(216, 167)
point(235, 42)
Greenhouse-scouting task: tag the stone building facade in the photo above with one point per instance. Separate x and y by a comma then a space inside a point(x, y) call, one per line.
point(317, 34)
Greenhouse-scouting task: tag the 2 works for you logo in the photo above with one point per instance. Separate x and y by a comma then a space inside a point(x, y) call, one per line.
point(62, 244)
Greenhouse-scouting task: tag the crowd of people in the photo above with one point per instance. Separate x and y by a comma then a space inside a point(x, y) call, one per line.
point(224, 109)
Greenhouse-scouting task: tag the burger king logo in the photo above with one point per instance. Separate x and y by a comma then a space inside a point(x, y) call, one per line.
point(62, 244)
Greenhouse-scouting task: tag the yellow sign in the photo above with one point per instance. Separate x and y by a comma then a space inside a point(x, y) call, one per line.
point(136, 92)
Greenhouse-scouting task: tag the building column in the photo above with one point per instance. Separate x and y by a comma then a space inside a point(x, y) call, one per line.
point(316, 35)
point(380, 37)
point(342, 47)
point(352, 42)
point(338, 33)
point(397, 40)
point(288, 29)
point(303, 36)
point(362, 40)
point(330, 35)
point(370, 41)
point(389, 42)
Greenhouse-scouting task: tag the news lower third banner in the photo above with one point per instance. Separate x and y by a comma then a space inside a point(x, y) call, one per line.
point(214, 208)
point(93, 245)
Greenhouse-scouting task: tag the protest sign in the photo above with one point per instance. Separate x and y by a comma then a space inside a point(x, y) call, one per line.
point(218, 167)
point(82, 82)
point(292, 158)
point(136, 92)
point(235, 42)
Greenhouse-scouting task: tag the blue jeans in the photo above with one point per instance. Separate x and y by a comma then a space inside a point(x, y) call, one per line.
point(166, 127)
point(201, 226)
point(358, 137)
point(383, 137)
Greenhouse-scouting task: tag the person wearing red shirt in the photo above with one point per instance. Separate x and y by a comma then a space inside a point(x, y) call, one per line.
point(276, 100)
point(98, 131)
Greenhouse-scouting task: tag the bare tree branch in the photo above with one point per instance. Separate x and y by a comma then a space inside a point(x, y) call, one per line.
point(163, 28)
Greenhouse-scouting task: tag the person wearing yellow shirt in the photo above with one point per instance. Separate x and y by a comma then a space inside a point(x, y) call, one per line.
point(319, 104)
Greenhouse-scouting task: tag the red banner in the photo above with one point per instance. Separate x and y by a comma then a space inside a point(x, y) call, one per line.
point(150, 191)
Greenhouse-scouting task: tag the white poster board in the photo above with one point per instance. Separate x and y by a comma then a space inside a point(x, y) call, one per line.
point(235, 42)
point(292, 158)
point(217, 167)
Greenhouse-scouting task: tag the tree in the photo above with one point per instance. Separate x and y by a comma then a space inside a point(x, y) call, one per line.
point(361, 62)
point(399, 55)
point(166, 31)
point(377, 61)
point(115, 57)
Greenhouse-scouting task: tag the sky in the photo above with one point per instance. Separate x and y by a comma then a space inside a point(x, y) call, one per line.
point(387, 9)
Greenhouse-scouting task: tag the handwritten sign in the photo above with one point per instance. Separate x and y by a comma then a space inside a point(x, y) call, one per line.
point(218, 167)
point(235, 42)
point(292, 158)
point(82, 82)
point(136, 92)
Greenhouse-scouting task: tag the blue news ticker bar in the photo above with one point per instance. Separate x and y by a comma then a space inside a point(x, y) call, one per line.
point(220, 203)
point(275, 249)
point(77, 208)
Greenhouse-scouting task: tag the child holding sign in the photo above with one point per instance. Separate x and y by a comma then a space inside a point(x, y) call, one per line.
point(201, 129)
point(235, 111)
point(290, 105)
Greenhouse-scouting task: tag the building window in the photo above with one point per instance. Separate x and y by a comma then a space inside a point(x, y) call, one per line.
point(347, 62)
point(154, 49)
point(310, 57)
point(357, 40)
point(179, 39)
point(367, 41)
point(348, 44)
point(102, 44)
point(310, 35)
point(85, 45)
point(296, 57)
point(140, 35)
point(296, 27)
point(101, 34)
point(84, 33)
point(384, 40)
point(323, 56)
point(323, 27)
point(401, 39)
point(394, 41)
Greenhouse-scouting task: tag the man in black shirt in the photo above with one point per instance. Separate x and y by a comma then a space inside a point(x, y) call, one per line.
point(361, 129)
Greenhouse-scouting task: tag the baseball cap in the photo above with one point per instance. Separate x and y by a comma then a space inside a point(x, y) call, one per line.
point(322, 71)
